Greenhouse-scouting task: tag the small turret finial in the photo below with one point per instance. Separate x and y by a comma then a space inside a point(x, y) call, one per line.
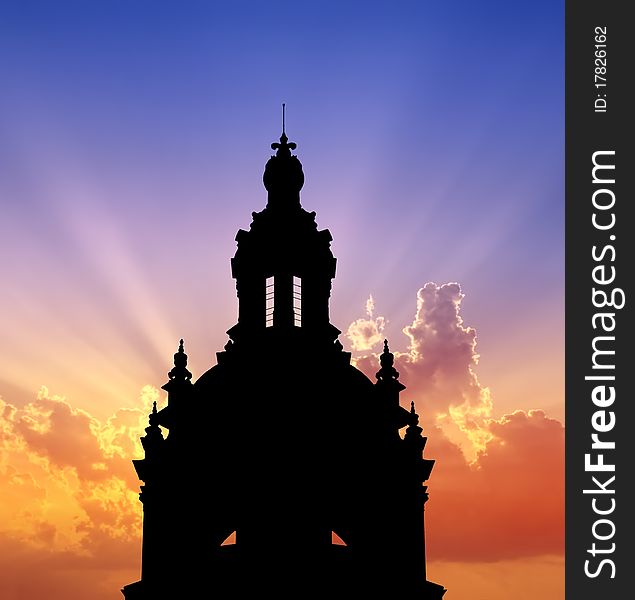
point(180, 363)
point(413, 433)
point(283, 105)
point(387, 360)
point(153, 438)
point(414, 419)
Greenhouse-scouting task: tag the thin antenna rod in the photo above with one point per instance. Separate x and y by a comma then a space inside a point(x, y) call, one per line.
point(283, 118)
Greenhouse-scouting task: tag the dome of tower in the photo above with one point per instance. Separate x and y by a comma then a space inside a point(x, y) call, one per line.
point(283, 176)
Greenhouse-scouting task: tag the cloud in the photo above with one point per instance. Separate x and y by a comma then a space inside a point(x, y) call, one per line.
point(365, 334)
point(438, 368)
point(496, 491)
point(70, 509)
point(507, 504)
point(522, 579)
point(30, 573)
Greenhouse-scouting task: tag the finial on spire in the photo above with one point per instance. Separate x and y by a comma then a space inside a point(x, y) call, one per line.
point(387, 360)
point(414, 418)
point(283, 176)
point(180, 363)
point(283, 148)
point(153, 438)
point(413, 432)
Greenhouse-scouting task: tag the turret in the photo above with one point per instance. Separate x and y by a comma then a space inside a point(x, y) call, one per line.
point(283, 265)
point(388, 388)
point(179, 389)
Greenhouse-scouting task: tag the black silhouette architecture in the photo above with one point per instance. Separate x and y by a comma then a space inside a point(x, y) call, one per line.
point(283, 446)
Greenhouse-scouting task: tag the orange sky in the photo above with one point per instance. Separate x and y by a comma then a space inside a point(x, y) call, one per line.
point(133, 144)
point(494, 519)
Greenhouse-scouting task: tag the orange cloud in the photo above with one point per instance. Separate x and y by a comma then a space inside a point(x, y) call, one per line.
point(521, 579)
point(364, 334)
point(509, 503)
point(438, 368)
point(70, 516)
point(497, 490)
point(32, 573)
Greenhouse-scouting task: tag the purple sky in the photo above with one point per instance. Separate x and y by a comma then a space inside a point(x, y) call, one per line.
point(133, 140)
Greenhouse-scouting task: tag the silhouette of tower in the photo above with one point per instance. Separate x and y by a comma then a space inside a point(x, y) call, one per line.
point(283, 446)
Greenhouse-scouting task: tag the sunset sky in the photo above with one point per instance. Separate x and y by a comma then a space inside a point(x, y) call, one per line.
point(133, 141)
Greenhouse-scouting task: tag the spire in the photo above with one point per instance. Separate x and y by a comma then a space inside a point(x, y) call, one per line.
point(283, 148)
point(283, 175)
point(413, 432)
point(387, 359)
point(153, 437)
point(415, 443)
point(414, 419)
point(180, 371)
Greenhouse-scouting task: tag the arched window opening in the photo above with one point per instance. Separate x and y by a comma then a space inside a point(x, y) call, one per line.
point(269, 301)
point(336, 540)
point(230, 540)
point(297, 301)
